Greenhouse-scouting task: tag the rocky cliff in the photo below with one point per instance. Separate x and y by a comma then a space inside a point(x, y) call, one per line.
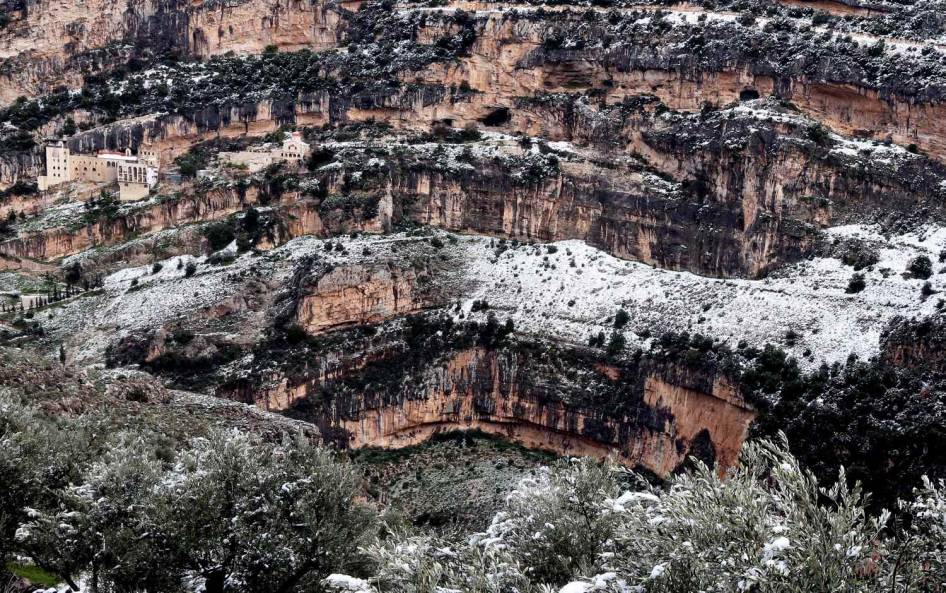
point(647, 415)
point(734, 193)
point(773, 167)
point(54, 42)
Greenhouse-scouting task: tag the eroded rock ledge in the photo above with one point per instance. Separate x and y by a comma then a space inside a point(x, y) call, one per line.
point(400, 382)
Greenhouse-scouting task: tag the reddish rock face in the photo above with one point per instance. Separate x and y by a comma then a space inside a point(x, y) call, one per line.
point(677, 414)
point(682, 149)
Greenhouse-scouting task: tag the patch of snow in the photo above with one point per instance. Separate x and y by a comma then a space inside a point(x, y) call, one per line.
point(576, 587)
point(343, 582)
point(574, 293)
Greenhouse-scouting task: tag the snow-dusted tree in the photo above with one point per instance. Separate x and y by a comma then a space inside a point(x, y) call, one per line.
point(919, 561)
point(108, 525)
point(246, 515)
point(422, 564)
point(231, 513)
point(556, 525)
point(37, 456)
point(766, 526)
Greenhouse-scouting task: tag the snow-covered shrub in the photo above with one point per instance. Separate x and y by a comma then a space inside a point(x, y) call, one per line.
point(919, 563)
point(231, 513)
point(557, 524)
point(553, 526)
point(766, 526)
point(418, 564)
point(37, 456)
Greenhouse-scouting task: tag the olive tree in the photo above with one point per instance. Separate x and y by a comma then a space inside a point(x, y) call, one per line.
point(229, 513)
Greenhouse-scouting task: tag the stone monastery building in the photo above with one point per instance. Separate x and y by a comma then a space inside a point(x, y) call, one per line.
point(293, 150)
point(135, 175)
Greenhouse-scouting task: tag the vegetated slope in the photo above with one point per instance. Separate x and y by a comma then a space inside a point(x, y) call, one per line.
point(639, 230)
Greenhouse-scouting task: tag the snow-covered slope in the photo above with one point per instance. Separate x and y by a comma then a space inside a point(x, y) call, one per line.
point(566, 290)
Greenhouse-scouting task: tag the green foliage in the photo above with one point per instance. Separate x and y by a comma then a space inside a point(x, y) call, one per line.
point(295, 334)
point(865, 416)
point(856, 284)
point(219, 234)
point(318, 157)
point(920, 267)
point(621, 318)
point(819, 134)
point(553, 524)
point(617, 343)
point(17, 141)
point(68, 127)
point(33, 574)
point(366, 205)
point(597, 341)
point(105, 208)
point(192, 161)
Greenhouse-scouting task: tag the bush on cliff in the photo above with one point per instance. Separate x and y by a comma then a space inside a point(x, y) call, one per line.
point(192, 161)
point(856, 284)
point(104, 208)
point(920, 267)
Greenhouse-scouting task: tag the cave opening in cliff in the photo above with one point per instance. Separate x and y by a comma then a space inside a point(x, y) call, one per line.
point(497, 117)
point(749, 95)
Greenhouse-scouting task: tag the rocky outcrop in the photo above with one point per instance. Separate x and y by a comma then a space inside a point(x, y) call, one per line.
point(918, 344)
point(55, 42)
point(476, 389)
point(651, 416)
point(294, 216)
point(362, 294)
point(61, 241)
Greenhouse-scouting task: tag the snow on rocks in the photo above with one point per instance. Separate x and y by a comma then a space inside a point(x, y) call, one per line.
point(573, 291)
point(343, 582)
point(566, 290)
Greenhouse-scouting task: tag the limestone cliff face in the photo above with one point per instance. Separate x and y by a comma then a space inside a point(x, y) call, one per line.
point(296, 216)
point(916, 343)
point(249, 27)
point(19, 167)
point(58, 242)
point(667, 416)
point(480, 390)
point(631, 221)
point(56, 42)
point(509, 60)
point(361, 294)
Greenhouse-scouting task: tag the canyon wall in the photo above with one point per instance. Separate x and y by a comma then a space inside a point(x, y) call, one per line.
point(665, 416)
point(361, 294)
point(57, 42)
point(296, 216)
